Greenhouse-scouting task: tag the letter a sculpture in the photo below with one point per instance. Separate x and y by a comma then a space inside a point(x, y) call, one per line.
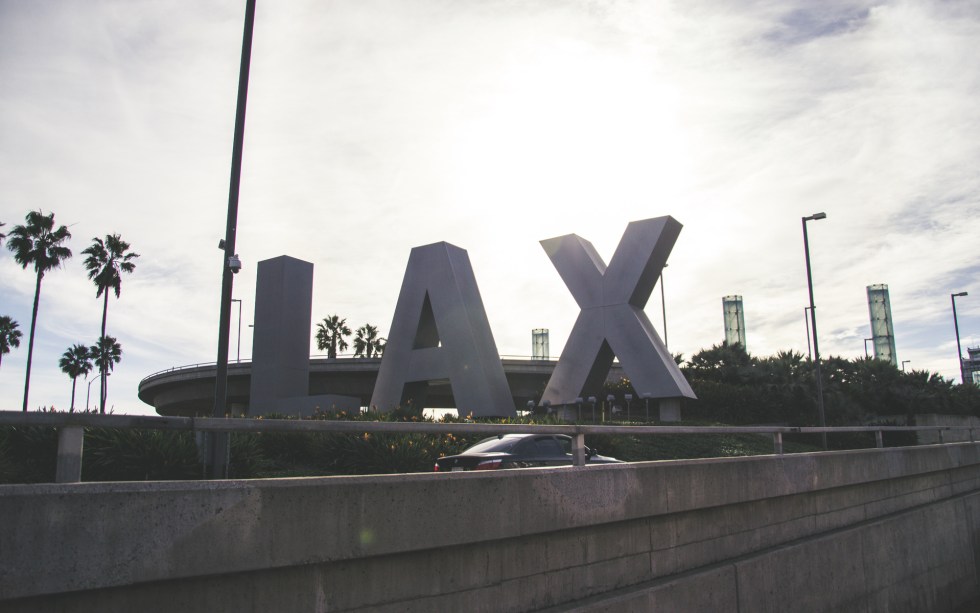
point(612, 322)
point(440, 331)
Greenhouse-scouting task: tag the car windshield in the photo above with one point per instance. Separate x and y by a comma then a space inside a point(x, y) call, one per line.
point(494, 444)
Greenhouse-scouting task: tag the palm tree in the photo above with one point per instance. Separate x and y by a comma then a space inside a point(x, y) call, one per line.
point(106, 262)
point(39, 244)
point(9, 335)
point(106, 354)
point(330, 335)
point(367, 343)
point(75, 362)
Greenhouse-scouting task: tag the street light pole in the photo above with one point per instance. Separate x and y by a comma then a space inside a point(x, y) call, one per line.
point(956, 325)
point(89, 392)
point(238, 354)
point(813, 325)
point(904, 362)
point(218, 447)
point(806, 324)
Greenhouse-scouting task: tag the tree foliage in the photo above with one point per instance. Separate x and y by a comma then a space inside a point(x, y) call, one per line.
point(105, 262)
point(367, 343)
point(331, 335)
point(735, 387)
point(75, 362)
point(9, 335)
point(106, 353)
point(39, 244)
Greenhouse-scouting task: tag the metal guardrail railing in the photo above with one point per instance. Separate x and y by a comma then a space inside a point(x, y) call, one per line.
point(71, 427)
point(190, 367)
point(312, 357)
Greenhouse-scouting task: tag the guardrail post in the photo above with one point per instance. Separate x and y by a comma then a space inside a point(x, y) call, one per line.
point(777, 442)
point(71, 440)
point(578, 450)
point(879, 439)
point(972, 439)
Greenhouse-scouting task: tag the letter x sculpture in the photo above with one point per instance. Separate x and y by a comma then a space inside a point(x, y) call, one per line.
point(612, 322)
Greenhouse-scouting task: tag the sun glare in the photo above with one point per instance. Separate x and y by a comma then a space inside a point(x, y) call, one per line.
point(574, 127)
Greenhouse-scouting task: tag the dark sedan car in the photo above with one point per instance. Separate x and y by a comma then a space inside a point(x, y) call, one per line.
point(518, 451)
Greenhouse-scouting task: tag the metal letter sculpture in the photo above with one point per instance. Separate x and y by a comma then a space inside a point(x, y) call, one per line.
point(612, 322)
point(440, 331)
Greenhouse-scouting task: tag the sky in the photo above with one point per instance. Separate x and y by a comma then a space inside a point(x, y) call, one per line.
point(376, 126)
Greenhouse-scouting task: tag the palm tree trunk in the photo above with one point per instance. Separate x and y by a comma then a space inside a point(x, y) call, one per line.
point(30, 343)
point(72, 409)
point(102, 381)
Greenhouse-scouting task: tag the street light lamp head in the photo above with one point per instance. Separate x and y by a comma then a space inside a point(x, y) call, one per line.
point(816, 216)
point(961, 294)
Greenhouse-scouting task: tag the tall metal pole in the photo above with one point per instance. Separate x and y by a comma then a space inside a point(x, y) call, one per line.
point(218, 448)
point(813, 325)
point(956, 325)
point(806, 324)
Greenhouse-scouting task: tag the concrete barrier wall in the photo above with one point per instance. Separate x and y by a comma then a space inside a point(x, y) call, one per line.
point(893, 529)
point(931, 437)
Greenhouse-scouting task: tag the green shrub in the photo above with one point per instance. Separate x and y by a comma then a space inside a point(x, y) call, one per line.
point(139, 455)
point(248, 459)
point(374, 453)
point(637, 448)
point(28, 454)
